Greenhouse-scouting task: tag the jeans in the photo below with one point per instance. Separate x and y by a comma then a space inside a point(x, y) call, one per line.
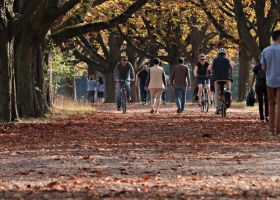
point(119, 90)
point(91, 96)
point(262, 97)
point(183, 90)
point(274, 108)
point(163, 96)
point(143, 94)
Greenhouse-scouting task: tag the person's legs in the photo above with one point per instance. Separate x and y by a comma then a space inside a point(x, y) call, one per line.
point(141, 93)
point(183, 100)
point(153, 95)
point(217, 93)
point(259, 93)
point(145, 96)
point(199, 93)
point(265, 103)
point(158, 94)
point(163, 96)
point(277, 119)
point(90, 96)
point(93, 95)
point(119, 93)
point(272, 104)
point(209, 92)
point(127, 88)
point(177, 95)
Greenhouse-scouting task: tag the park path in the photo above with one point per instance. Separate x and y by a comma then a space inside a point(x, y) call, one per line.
point(138, 155)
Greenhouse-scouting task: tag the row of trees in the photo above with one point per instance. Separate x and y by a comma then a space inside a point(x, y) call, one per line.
point(99, 31)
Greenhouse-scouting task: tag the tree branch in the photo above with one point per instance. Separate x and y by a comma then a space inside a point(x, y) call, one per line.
point(97, 26)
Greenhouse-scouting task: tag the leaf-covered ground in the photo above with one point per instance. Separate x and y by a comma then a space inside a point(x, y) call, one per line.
point(138, 155)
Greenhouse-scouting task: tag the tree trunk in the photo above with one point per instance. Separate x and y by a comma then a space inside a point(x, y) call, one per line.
point(70, 87)
point(49, 84)
point(171, 66)
point(133, 92)
point(7, 105)
point(194, 82)
point(110, 88)
point(245, 61)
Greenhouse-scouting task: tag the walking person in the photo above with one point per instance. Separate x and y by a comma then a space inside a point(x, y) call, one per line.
point(270, 64)
point(123, 71)
point(163, 95)
point(142, 77)
point(180, 79)
point(100, 89)
point(201, 69)
point(260, 89)
point(156, 83)
point(91, 85)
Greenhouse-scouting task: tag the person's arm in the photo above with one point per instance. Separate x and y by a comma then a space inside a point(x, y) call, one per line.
point(172, 78)
point(194, 71)
point(116, 73)
point(163, 78)
point(137, 81)
point(253, 80)
point(188, 78)
point(132, 74)
point(264, 67)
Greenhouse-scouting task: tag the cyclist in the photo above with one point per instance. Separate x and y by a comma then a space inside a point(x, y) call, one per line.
point(201, 69)
point(123, 71)
point(222, 69)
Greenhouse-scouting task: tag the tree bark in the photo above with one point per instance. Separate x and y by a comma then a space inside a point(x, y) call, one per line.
point(110, 88)
point(245, 61)
point(6, 77)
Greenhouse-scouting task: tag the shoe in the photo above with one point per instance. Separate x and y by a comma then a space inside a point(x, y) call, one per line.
point(277, 134)
point(261, 120)
point(266, 119)
point(119, 108)
point(179, 110)
point(145, 104)
point(156, 112)
point(217, 111)
point(129, 98)
point(271, 132)
point(199, 104)
point(163, 103)
point(152, 110)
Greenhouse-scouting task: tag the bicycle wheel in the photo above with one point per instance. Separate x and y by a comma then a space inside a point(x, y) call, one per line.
point(224, 110)
point(206, 100)
point(202, 106)
point(124, 101)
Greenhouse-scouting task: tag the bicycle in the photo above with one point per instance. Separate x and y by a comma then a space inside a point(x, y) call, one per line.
point(124, 96)
point(222, 100)
point(204, 95)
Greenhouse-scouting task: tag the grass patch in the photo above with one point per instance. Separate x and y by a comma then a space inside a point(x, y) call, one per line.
point(63, 108)
point(244, 105)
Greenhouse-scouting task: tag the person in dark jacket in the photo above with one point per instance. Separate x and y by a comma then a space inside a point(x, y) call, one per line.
point(261, 90)
point(142, 76)
point(222, 69)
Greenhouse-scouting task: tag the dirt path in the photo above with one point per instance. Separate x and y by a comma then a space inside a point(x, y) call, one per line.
point(138, 155)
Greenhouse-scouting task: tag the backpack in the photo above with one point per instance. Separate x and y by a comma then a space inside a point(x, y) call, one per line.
point(250, 100)
point(261, 79)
